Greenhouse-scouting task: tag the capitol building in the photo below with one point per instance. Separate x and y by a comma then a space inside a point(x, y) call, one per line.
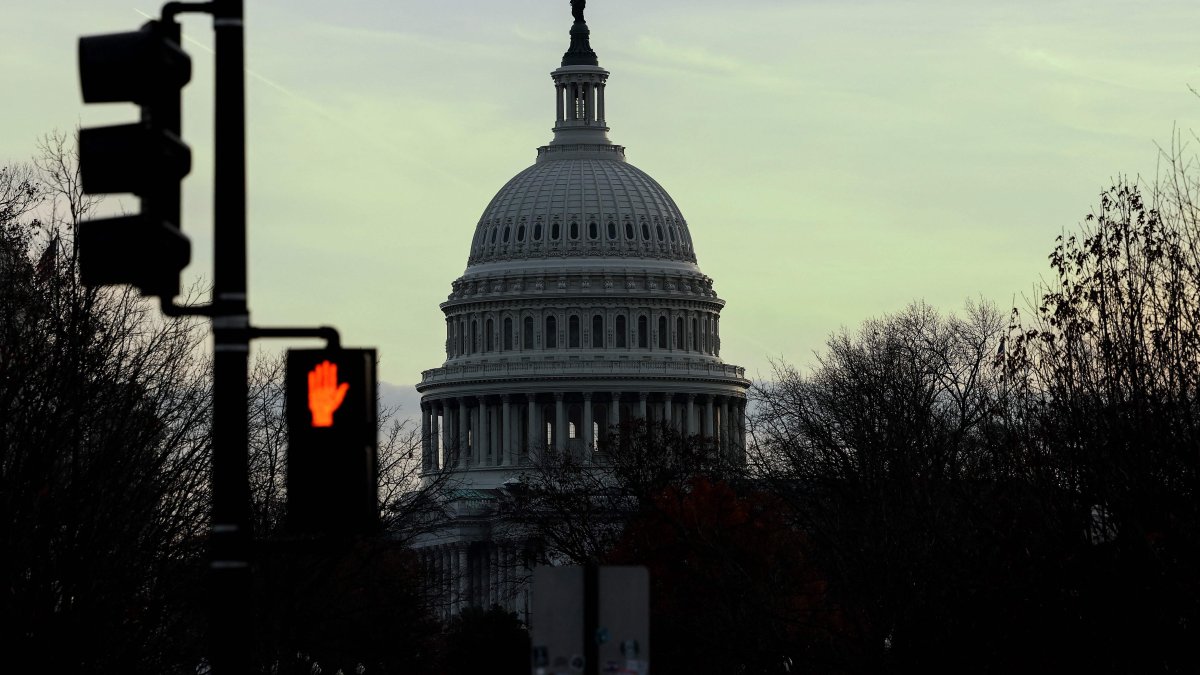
point(582, 307)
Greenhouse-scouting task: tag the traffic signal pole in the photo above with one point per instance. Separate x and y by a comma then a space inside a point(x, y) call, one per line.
point(231, 616)
point(149, 159)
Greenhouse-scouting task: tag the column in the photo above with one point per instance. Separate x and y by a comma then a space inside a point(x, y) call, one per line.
point(667, 405)
point(494, 553)
point(614, 417)
point(460, 578)
point(708, 417)
point(589, 107)
point(531, 402)
point(560, 422)
point(448, 579)
point(460, 443)
point(506, 559)
point(691, 415)
point(739, 419)
point(439, 579)
point(723, 441)
point(506, 429)
point(483, 595)
point(642, 405)
point(447, 433)
point(478, 432)
point(589, 445)
point(434, 433)
point(426, 439)
point(558, 104)
point(491, 436)
point(600, 103)
point(537, 435)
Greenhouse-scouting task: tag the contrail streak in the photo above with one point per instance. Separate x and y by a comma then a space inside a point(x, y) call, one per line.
point(324, 113)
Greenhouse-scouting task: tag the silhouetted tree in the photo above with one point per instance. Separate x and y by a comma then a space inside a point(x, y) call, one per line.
point(902, 459)
point(1110, 360)
point(103, 449)
point(576, 507)
point(732, 586)
point(486, 641)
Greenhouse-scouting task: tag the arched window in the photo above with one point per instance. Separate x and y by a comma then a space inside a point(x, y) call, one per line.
point(508, 339)
point(662, 332)
point(474, 336)
point(679, 333)
point(620, 331)
point(695, 335)
point(660, 232)
point(704, 335)
point(462, 337)
point(645, 231)
point(551, 333)
point(527, 333)
point(612, 230)
point(488, 339)
point(628, 230)
point(507, 231)
point(597, 332)
point(554, 231)
point(521, 233)
point(537, 232)
point(495, 231)
point(574, 230)
point(449, 339)
point(593, 231)
point(573, 332)
point(643, 332)
point(671, 231)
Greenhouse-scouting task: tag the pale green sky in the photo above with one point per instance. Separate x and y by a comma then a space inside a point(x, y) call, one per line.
point(835, 160)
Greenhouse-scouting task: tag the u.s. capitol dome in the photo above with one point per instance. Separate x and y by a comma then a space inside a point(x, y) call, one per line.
point(581, 308)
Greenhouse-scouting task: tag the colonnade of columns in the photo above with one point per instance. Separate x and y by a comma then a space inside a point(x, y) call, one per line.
point(479, 574)
point(579, 101)
point(512, 429)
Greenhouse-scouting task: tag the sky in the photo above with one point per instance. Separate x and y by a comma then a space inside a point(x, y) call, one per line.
point(835, 159)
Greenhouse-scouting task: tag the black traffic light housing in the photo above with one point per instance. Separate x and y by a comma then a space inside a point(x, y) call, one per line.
point(332, 442)
point(147, 158)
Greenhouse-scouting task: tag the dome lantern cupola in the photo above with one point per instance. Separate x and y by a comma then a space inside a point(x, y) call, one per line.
point(579, 90)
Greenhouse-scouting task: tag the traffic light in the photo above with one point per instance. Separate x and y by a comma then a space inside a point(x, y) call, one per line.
point(332, 441)
point(147, 158)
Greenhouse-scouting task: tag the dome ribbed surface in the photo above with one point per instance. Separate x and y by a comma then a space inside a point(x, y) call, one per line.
point(581, 207)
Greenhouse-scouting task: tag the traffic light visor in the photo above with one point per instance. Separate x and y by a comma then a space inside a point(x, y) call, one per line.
point(139, 66)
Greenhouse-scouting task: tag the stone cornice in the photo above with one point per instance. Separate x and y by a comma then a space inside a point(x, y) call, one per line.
point(536, 303)
point(513, 374)
point(612, 283)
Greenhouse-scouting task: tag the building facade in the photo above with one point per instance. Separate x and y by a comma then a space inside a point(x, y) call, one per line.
point(581, 308)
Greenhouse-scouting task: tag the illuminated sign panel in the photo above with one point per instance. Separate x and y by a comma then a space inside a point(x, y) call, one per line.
point(325, 394)
point(332, 441)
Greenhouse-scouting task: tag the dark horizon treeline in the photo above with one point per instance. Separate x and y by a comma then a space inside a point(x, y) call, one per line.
point(983, 492)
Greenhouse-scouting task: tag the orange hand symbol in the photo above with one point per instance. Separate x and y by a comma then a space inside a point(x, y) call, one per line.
point(325, 395)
